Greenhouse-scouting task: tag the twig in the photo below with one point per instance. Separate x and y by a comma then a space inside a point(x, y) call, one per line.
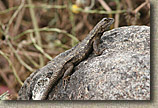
point(105, 6)
point(13, 16)
point(61, 7)
point(34, 21)
point(29, 53)
point(45, 6)
point(102, 12)
point(8, 10)
point(4, 96)
point(18, 22)
point(19, 58)
point(91, 5)
point(129, 4)
point(58, 43)
point(117, 15)
point(39, 48)
point(48, 30)
point(31, 60)
point(12, 67)
point(35, 25)
point(72, 24)
point(141, 6)
point(4, 76)
point(41, 61)
point(2, 7)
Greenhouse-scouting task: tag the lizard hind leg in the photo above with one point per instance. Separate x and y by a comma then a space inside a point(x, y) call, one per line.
point(68, 71)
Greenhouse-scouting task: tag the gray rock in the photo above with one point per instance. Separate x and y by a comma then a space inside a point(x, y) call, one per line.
point(121, 72)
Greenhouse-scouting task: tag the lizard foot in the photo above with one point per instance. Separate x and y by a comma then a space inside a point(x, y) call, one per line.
point(65, 81)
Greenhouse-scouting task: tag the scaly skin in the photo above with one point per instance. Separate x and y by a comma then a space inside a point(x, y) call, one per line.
point(81, 51)
point(63, 64)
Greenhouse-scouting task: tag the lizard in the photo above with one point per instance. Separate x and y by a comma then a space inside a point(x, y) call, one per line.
point(63, 64)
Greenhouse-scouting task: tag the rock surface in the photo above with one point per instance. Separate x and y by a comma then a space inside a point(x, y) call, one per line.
point(122, 72)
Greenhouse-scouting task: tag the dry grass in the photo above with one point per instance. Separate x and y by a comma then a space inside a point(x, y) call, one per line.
point(33, 32)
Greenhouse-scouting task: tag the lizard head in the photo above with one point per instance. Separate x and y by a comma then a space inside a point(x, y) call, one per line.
point(104, 24)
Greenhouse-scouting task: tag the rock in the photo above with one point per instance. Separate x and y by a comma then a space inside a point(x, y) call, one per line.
point(121, 72)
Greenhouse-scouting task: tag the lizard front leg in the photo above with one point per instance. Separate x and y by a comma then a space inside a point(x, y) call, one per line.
point(96, 43)
point(68, 69)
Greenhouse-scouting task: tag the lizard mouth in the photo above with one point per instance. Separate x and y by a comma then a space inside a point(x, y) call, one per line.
point(109, 20)
point(106, 23)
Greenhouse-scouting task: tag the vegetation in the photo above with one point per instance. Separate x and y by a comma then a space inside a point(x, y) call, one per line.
point(32, 32)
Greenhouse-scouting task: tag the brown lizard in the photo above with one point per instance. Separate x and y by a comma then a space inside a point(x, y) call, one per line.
point(63, 64)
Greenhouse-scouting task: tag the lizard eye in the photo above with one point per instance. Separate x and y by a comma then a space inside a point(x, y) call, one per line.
point(108, 20)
